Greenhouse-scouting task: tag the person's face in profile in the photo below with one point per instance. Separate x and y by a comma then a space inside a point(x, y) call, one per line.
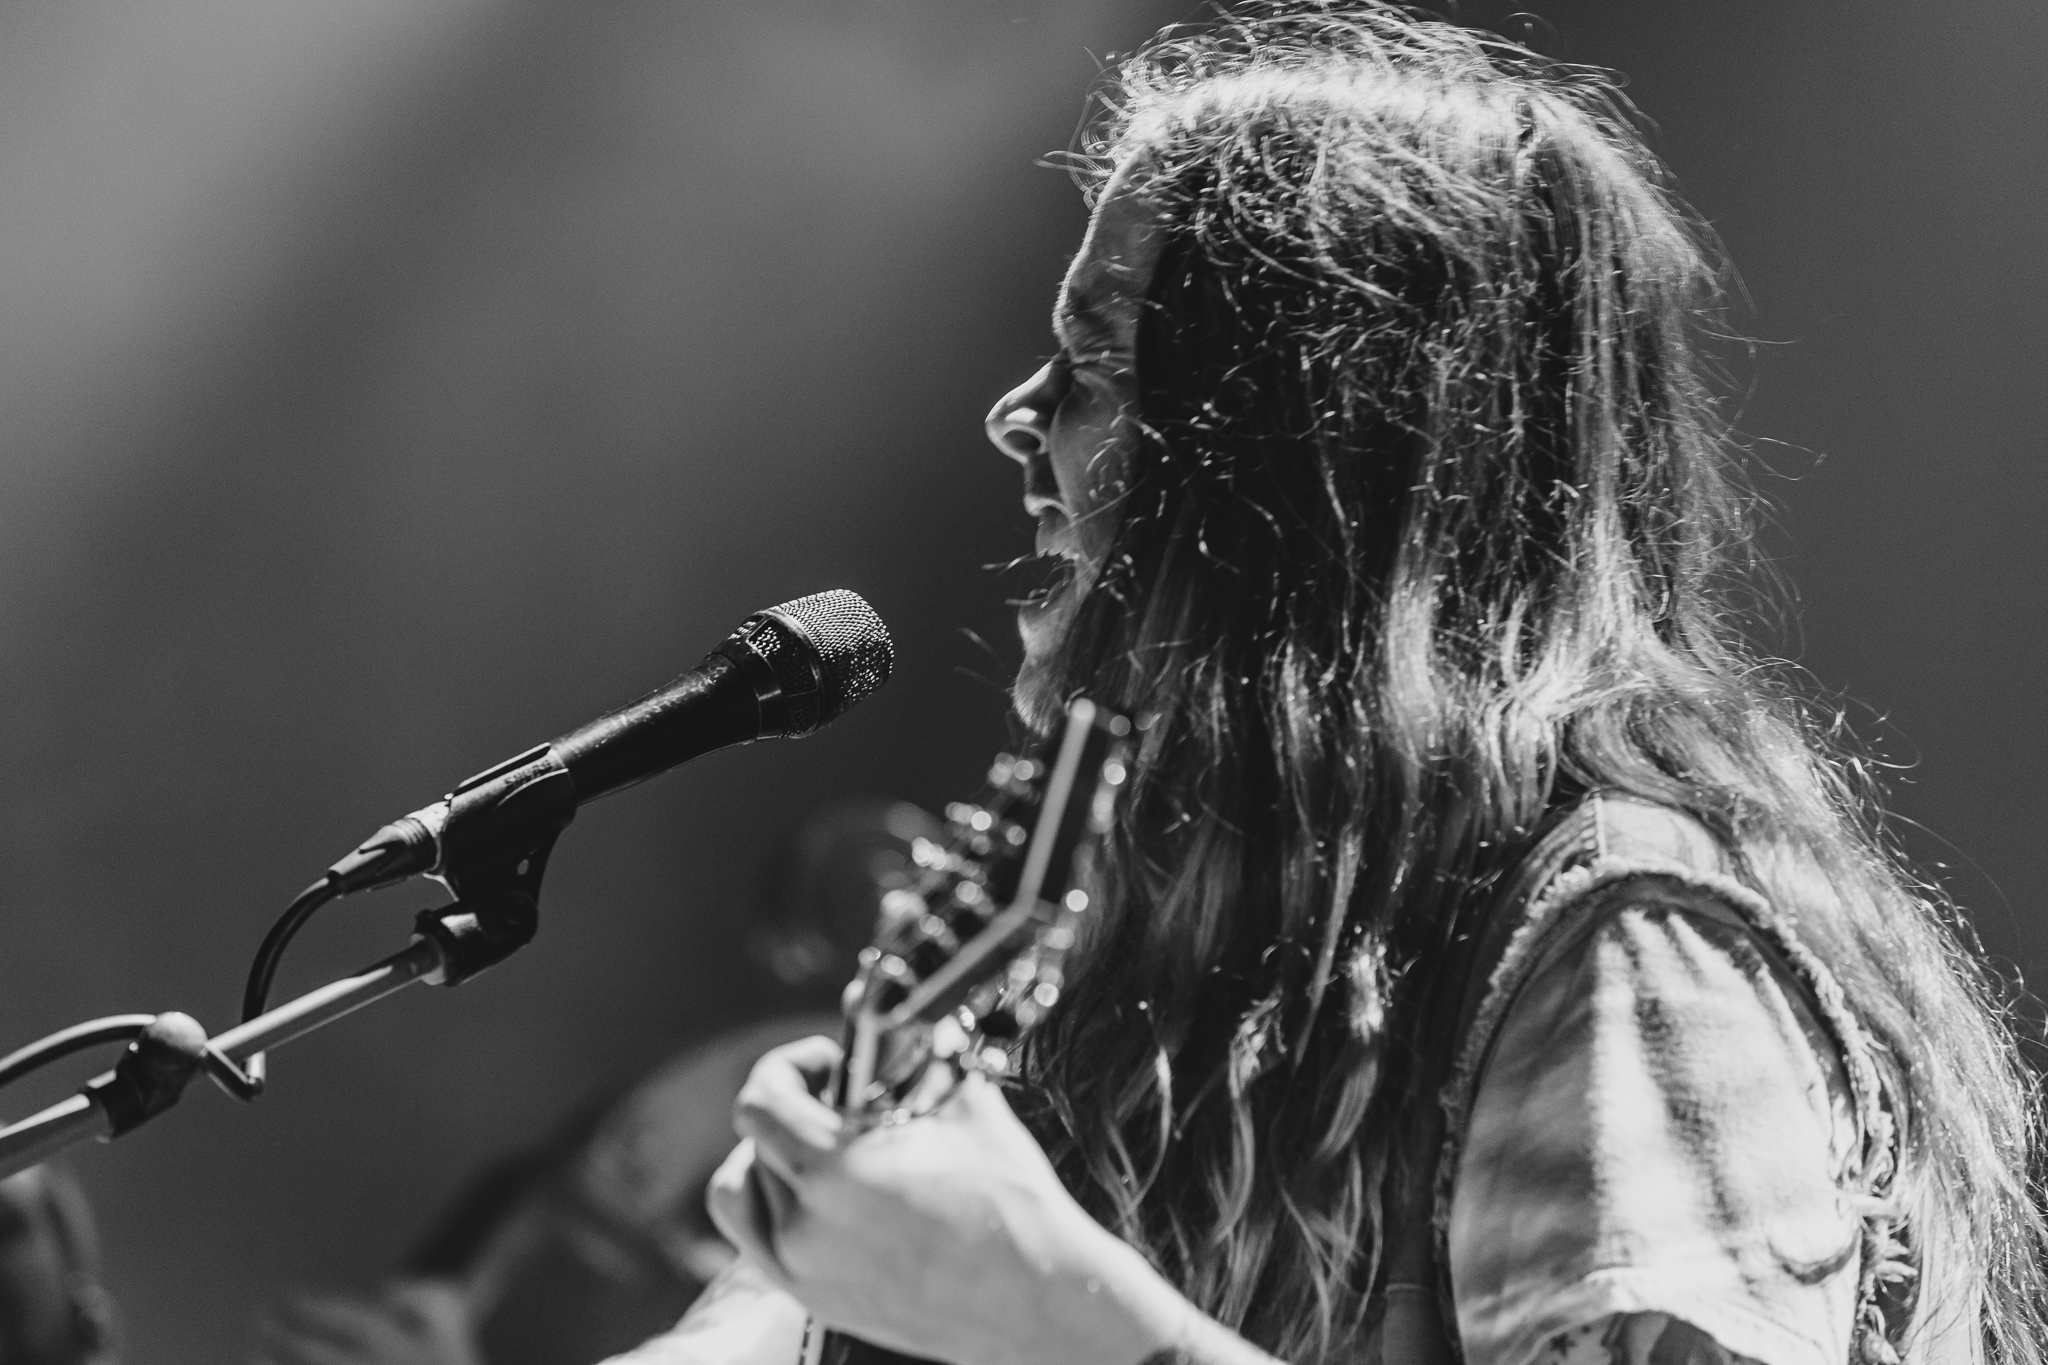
point(1069, 424)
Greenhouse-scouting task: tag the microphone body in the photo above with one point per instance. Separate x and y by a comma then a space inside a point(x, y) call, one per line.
point(784, 673)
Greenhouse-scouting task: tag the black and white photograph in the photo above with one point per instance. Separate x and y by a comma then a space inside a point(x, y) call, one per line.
point(1023, 682)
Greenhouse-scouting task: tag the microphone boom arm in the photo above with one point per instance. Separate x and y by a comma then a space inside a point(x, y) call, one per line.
point(155, 1069)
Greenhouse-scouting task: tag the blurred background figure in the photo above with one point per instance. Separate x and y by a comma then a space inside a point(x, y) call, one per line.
point(53, 1310)
point(827, 887)
point(597, 1239)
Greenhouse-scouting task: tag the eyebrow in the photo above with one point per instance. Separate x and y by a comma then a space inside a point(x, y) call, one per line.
point(1074, 318)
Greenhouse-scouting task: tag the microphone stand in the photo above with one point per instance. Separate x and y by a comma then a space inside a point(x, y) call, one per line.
point(496, 915)
point(802, 664)
point(153, 1072)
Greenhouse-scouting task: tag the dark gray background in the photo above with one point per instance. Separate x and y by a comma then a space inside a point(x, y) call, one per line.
point(387, 385)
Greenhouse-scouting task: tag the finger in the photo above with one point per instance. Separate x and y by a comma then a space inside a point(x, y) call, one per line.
point(790, 1158)
point(776, 1108)
point(815, 1057)
point(975, 1097)
point(741, 1209)
point(781, 1200)
point(805, 1065)
point(935, 1088)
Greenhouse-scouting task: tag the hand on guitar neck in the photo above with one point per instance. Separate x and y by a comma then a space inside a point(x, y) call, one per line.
point(948, 1237)
point(913, 1213)
point(918, 1215)
point(904, 1207)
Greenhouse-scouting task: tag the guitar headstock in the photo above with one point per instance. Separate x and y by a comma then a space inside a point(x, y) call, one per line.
point(972, 956)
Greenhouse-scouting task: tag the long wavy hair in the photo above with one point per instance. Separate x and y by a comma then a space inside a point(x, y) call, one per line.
point(1429, 527)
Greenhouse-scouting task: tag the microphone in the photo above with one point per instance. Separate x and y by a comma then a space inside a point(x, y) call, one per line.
point(784, 673)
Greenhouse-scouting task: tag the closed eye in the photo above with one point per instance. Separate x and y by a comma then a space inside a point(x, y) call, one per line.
point(1105, 363)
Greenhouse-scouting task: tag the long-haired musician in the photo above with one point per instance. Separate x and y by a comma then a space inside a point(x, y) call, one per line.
point(1495, 959)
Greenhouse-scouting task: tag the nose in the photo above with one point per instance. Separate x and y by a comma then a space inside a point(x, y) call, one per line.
point(1020, 424)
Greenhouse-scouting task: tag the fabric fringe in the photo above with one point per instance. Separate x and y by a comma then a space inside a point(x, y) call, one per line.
point(1887, 1265)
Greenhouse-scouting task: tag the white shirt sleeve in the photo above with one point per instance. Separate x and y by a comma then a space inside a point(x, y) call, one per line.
point(1660, 1127)
point(740, 1319)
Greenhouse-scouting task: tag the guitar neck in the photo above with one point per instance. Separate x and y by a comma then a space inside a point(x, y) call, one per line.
point(977, 953)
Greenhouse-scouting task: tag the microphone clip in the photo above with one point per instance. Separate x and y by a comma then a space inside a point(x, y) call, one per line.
point(480, 931)
point(494, 845)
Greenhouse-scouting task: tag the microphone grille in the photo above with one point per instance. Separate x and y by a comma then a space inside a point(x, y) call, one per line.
point(852, 653)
